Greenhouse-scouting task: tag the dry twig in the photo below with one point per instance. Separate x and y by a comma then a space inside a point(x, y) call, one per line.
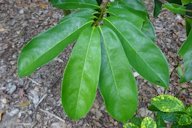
point(53, 115)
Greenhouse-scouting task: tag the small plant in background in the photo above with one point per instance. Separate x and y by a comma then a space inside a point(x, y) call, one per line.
point(168, 111)
point(147, 122)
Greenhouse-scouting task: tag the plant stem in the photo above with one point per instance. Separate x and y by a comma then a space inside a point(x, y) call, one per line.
point(102, 13)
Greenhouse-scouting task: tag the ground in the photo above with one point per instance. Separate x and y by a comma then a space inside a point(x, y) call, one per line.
point(34, 101)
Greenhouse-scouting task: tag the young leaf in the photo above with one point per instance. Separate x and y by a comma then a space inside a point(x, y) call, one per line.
point(168, 103)
point(117, 84)
point(186, 53)
point(185, 120)
point(148, 123)
point(44, 47)
point(157, 8)
point(143, 55)
point(82, 74)
point(74, 4)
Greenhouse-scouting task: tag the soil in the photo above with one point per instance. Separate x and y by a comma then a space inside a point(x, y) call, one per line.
point(34, 101)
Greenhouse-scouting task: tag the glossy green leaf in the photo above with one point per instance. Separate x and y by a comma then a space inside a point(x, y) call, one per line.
point(185, 120)
point(134, 4)
point(167, 103)
point(148, 30)
point(175, 8)
point(127, 14)
point(130, 125)
point(47, 45)
point(117, 84)
point(136, 120)
point(168, 116)
point(189, 110)
point(186, 53)
point(159, 121)
point(75, 4)
point(157, 8)
point(148, 123)
point(143, 55)
point(137, 17)
point(181, 74)
point(82, 74)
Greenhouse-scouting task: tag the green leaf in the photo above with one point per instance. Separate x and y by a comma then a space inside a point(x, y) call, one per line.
point(134, 4)
point(168, 116)
point(149, 30)
point(136, 120)
point(137, 17)
point(143, 55)
point(185, 120)
point(167, 103)
point(130, 125)
point(189, 110)
point(148, 123)
point(175, 8)
point(117, 84)
point(181, 74)
point(186, 53)
point(129, 15)
point(159, 121)
point(74, 4)
point(188, 22)
point(157, 8)
point(47, 45)
point(82, 74)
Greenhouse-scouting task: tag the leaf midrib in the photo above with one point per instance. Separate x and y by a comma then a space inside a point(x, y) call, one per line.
point(82, 74)
point(135, 51)
point(110, 64)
